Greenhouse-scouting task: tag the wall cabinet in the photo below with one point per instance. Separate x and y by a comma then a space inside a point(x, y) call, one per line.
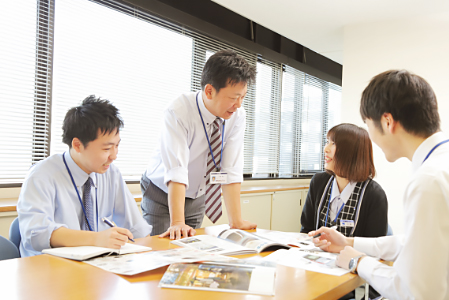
point(273, 210)
point(286, 210)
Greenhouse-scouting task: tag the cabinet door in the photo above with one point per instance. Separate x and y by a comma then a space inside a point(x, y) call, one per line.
point(286, 211)
point(256, 208)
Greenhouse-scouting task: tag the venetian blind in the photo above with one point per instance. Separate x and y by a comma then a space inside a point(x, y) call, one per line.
point(25, 71)
point(139, 63)
point(310, 107)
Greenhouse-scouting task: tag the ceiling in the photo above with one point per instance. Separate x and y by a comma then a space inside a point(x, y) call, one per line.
point(319, 25)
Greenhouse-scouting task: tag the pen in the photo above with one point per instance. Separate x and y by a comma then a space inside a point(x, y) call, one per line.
point(319, 234)
point(113, 225)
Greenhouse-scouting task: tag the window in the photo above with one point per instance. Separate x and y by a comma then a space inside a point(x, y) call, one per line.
point(122, 58)
point(62, 51)
point(310, 107)
point(18, 115)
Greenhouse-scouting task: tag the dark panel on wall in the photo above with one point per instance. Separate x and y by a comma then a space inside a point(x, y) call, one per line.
point(214, 13)
point(216, 21)
point(320, 62)
point(267, 38)
point(292, 49)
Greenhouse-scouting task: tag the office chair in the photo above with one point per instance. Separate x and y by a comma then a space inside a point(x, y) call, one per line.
point(7, 249)
point(14, 233)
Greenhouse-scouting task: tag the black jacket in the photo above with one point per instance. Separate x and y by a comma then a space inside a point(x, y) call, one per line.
point(373, 217)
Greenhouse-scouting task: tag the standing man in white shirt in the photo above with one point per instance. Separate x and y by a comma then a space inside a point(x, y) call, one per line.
point(401, 112)
point(200, 150)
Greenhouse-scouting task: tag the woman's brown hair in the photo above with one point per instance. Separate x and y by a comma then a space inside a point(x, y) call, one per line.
point(353, 157)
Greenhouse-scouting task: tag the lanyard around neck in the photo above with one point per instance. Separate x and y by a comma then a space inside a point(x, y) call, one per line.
point(436, 146)
point(79, 197)
point(328, 208)
point(207, 137)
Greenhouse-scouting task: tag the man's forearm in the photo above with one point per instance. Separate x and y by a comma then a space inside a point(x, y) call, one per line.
point(231, 195)
point(64, 237)
point(176, 202)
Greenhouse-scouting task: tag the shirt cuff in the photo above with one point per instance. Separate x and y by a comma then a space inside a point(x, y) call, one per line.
point(141, 230)
point(366, 267)
point(364, 245)
point(40, 238)
point(179, 174)
point(234, 175)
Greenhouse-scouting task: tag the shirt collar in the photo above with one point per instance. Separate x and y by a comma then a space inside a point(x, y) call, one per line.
point(79, 176)
point(424, 149)
point(345, 194)
point(208, 117)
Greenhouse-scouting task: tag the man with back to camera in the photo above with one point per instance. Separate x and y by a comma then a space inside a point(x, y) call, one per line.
point(65, 196)
point(200, 152)
point(401, 112)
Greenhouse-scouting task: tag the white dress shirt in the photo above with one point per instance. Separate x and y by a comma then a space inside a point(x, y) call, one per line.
point(421, 255)
point(181, 155)
point(48, 201)
point(339, 199)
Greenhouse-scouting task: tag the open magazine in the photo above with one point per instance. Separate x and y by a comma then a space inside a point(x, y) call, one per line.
point(239, 276)
point(86, 252)
point(137, 263)
point(230, 242)
point(316, 261)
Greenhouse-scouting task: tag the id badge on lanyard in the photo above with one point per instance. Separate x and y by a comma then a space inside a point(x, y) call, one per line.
point(218, 178)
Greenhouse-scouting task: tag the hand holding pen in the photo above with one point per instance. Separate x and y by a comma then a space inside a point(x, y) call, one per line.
point(330, 239)
point(319, 234)
point(106, 220)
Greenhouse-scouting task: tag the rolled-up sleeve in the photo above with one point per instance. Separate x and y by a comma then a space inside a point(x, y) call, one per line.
point(36, 209)
point(232, 162)
point(174, 150)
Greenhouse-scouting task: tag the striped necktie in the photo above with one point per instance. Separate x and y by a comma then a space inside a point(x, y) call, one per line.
point(213, 191)
point(88, 205)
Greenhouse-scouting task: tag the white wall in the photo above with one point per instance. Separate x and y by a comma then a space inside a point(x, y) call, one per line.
point(420, 45)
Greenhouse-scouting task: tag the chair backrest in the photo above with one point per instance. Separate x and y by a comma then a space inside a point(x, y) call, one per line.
point(14, 233)
point(7, 249)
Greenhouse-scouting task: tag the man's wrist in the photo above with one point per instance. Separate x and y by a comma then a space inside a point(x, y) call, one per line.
point(177, 223)
point(350, 242)
point(354, 263)
point(236, 223)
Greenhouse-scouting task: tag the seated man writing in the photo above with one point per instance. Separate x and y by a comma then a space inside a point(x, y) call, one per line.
point(65, 196)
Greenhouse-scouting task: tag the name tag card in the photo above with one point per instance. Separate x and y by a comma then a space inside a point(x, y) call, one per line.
point(347, 223)
point(218, 178)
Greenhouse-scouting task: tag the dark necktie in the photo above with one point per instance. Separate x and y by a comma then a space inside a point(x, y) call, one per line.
point(88, 205)
point(213, 191)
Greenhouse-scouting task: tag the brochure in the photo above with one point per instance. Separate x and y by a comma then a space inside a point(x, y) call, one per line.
point(86, 252)
point(297, 239)
point(137, 263)
point(240, 276)
point(316, 261)
point(230, 242)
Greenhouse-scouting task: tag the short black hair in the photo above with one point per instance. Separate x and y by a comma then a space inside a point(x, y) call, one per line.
point(83, 121)
point(407, 97)
point(227, 67)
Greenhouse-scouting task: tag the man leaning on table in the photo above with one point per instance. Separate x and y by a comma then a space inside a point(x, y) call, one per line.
point(200, 152)
point(401, 112)
point(65, 196)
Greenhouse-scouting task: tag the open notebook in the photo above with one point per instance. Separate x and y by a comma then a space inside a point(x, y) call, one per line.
point(86, 252)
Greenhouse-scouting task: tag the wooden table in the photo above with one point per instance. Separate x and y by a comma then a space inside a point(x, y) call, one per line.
point(48, 277)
